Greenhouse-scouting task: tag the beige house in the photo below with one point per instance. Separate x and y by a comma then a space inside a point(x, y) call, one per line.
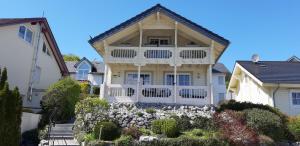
point(274, 83)
point(159, 56)
point(29, 52)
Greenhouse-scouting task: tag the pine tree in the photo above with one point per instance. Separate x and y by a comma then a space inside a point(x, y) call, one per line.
point(18, 115)
point(3, 78)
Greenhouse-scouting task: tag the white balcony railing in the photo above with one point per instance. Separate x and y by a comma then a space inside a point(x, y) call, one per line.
point(193, 95)
point(158, 55)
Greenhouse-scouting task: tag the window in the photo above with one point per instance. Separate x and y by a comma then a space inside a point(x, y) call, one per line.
point(46, 50)
point(145, 78)
point(182, 79)
point(37, 74)
point(159, 41)
point(83, 71)
point(221, 80)
point(221, 96)
point(25, 34)
point(296, 98)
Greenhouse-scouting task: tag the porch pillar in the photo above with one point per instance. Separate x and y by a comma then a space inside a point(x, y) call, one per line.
point(210, 91)
point(138, 83)
point(103, 87)
point(175, 83)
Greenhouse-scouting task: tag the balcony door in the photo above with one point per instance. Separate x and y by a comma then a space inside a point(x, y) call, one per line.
point(183, 79)
point(132, 77)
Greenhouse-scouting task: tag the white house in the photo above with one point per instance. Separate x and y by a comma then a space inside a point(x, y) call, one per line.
point(29, 52)
point(160, 56)
point(85, 70)
point(274, 83)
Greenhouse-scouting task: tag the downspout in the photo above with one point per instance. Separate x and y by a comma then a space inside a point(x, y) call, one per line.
point(274, 92)
point(34, 62)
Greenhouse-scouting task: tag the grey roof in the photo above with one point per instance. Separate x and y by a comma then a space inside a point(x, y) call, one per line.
point(220, 68)
point(98, 67)
point(294, 59)
point(274, 71)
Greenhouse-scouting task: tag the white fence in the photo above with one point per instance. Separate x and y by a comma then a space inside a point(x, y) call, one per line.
point(29, 121)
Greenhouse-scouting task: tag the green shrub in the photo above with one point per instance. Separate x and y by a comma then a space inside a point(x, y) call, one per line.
point(240, 106)
point(110, 131)
point(61, 96)
point(145, 131)
point(89, 104)
point(265, 122)
point(124, 141)
point(31, 137)
point(203, 123)
point(96, 90)
point(165, 126)
point(85, 87)
point(183, 122)
point(294, 126)
point(97, 143)
point(185, 141)
point(27, 110)
point(150, 111)
point(134, 132)
point(140, 114)
point(89, 137)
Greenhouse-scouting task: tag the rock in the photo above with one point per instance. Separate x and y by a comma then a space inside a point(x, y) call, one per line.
point(147, 138)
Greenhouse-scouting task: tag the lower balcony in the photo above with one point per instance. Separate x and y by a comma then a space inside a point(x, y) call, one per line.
point(190, 95)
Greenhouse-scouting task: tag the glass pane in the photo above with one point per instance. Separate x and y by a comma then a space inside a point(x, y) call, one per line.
point(184, 80)
point(28, 36)
point(153, 41)
point(84, 66)
point(163, 42)
point(170, 79)
point(22, 31)
point(44, 48)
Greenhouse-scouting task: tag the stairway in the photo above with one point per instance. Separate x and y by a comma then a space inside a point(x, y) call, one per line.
point(61, 135)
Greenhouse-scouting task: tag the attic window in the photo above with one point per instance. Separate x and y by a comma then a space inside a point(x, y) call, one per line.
point(83, 71)
point(26, 34)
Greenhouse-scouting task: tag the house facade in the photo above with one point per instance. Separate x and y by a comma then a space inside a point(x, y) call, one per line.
point(29, 52)
point(85, 70)
point(274, 83)
point(159, 56)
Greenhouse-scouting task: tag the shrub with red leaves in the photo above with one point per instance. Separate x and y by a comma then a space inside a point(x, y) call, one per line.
point(134, 132)
point(233, 127)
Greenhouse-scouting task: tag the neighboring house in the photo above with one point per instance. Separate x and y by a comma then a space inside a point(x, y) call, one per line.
point(85, 70)
point(30, 53)
point(159, 56)
point(274, 83)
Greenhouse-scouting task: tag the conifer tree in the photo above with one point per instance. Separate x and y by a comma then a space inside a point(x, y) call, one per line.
point(3, 78)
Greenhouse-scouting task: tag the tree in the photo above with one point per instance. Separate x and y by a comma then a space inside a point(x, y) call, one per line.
point(71, 57)
point(10, 113)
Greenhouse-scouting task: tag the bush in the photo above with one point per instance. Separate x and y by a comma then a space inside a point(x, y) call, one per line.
point(96, 90)
point(265, 122)
point(61, 96)
point(124, 141)
point(203, 123)
point(140, 114)
point(233, 127)
point(134, 132)
point(30, 137)
point(240, 106)
point(150, 111)
point(110, 131)
point(165, 126)
point(294, 126)
point(183, 122)
point(85, 87)
point(185, 141)
point(266, 141)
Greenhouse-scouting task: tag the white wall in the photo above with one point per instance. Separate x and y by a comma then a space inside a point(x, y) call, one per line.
point(218, 88)
point(29, 121)
point(283, 101)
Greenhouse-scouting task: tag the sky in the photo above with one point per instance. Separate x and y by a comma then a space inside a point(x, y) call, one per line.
point(269, 28)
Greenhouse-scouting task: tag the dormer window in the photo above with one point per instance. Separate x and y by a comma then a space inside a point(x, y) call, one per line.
point(83, 71)
point(25, 34)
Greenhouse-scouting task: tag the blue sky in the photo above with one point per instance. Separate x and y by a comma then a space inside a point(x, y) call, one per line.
point(270, 28)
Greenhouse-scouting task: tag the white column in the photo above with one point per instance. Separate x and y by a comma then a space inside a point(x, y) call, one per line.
point(103, 87)
point(209, 84)
point(138, 84)
point(175, 83)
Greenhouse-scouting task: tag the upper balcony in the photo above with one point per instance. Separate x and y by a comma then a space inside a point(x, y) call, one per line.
point(158, 55)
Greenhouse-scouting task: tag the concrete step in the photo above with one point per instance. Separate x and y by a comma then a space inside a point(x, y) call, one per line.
point(68, 142)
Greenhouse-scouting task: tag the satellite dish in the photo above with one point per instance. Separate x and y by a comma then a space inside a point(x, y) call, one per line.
point(255, 58)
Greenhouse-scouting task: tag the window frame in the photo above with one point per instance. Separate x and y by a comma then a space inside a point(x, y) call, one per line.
point(291, 98)
point(141, 73)
point(177, 80)
point(78, 69)
point(47, 51)
point(159, 38)
point(25, 34)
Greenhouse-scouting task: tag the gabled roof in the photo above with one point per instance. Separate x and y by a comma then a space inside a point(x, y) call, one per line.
point(48, 34)
point(283, 72)
point(294, 59)
point(171, 14)
point(97, 67)
point(220, 68)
